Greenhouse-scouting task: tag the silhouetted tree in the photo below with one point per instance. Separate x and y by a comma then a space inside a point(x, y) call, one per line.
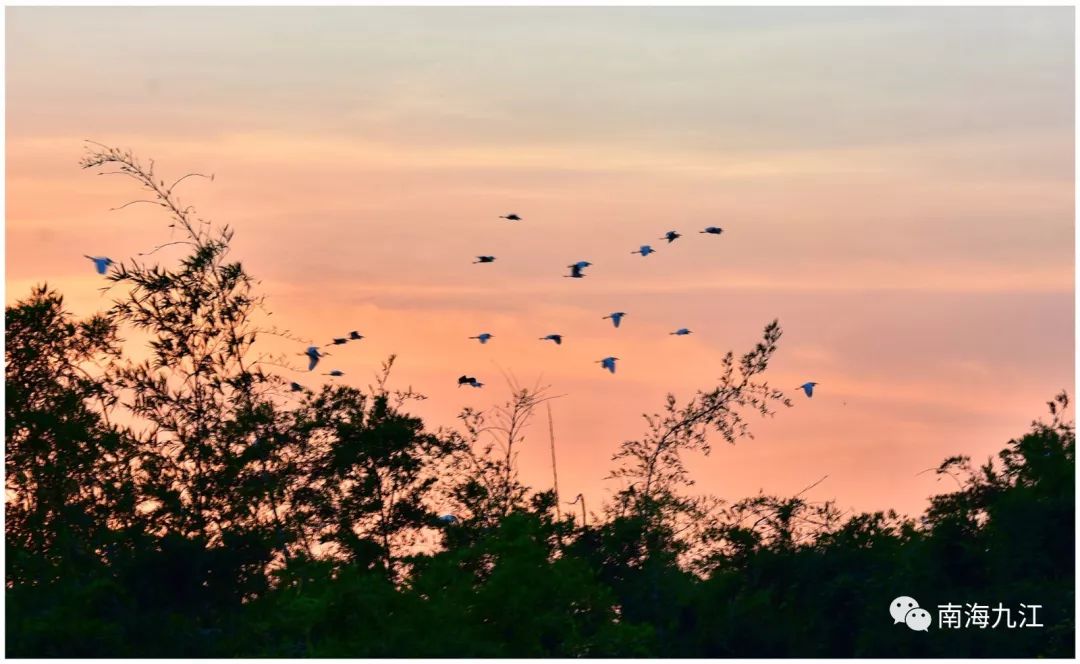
point(654, 464)
point(204, 411)
point(68, 470)
point(369, 469)
point(491, 488)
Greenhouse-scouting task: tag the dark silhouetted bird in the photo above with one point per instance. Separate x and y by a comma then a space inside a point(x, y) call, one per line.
point(355, 336)
point(484, 259)
point(712, 230)
point(607, 363)
point(576, 270)
point(336, 373)
point(557, 338)
point(510, 217)
point(682, 332)
point(644, 251)
point(808, 388)
point(671, 236)
point(296, 387)
point(101, 263)
point(615, 317)
point(338, 341)
point(469, 380)
point(483, 337)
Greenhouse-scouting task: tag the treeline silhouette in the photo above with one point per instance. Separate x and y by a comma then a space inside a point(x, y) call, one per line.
point(187, 504)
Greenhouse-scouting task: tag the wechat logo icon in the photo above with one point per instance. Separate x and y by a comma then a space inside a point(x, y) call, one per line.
point(906, 610)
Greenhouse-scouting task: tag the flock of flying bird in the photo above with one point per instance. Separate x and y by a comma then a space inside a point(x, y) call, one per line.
point(314, 355)
point(577, 271)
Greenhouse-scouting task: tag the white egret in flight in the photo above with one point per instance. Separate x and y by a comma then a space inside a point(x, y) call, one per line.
point(616, 317)
point(608, 363)
point(101, 263)
point(313, 356)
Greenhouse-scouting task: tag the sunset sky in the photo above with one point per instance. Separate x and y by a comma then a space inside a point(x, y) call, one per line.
point(895, 185)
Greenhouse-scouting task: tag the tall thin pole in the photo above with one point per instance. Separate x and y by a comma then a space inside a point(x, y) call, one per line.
point(554, 470)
